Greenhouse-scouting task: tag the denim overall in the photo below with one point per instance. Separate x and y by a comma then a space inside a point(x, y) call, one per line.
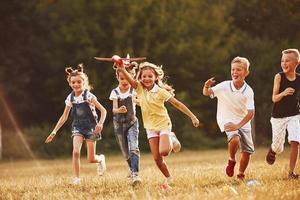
point(127, 131)
point(83, 120)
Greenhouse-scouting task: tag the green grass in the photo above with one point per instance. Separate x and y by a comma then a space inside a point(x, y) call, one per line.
point(197, 175)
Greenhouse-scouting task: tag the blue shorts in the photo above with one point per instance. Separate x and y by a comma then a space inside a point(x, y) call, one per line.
point(86, 134)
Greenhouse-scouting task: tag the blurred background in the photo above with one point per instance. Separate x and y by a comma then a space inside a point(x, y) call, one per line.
point(193, 40)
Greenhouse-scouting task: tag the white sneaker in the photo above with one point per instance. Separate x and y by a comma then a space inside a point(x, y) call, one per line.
point(76, 180)
point(101, 166)
point(175, 143)
point(136, 180)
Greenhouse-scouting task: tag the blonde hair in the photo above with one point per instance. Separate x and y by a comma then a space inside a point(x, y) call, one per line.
point(241, 60)
point(130, 68)
point(78, 72)
point(294, 51)
point(159, 73)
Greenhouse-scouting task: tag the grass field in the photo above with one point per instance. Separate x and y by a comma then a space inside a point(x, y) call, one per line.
point(197, 175)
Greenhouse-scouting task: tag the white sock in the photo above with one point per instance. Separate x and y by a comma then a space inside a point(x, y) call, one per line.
point(98, 158)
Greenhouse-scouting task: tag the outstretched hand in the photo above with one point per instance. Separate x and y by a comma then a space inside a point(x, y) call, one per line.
point(195, 122)
point(50, 138)
point(210, 82)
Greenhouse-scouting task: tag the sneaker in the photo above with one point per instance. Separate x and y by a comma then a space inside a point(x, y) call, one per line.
point(76, 181)
point(241, 177)
point(129, 175)
point(271, 157)
point(175, 143)
point(101, 166)
point(293, 175)
point(230, 168)
point(136, 180)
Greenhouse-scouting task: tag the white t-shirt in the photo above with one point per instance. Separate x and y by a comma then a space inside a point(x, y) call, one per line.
point(121, 95)
point(233, 105)
point(79, 99)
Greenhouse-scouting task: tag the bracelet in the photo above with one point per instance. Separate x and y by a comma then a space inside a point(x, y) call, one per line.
point(53, 133)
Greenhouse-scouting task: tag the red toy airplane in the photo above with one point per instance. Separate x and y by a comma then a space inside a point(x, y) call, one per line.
point(118, 60)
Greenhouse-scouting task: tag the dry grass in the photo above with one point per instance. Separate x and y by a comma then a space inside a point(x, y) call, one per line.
point(198, 175)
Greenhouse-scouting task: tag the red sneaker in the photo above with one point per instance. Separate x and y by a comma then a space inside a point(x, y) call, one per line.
point(230, 168)
point(271, 157)
point(241, 177)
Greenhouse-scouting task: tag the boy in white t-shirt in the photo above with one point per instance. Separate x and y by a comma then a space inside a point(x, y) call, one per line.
point(235, 110)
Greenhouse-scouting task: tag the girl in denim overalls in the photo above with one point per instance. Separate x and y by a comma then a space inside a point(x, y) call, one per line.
point(81, 102)
point(152, 93)
point(126, 124)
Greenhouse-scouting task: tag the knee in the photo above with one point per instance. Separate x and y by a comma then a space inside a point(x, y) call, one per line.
point(76, 154)
point(164, 152)
point(235, 140)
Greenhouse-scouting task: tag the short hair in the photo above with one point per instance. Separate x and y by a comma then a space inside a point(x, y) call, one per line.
point(241, 60)
point(294, 51)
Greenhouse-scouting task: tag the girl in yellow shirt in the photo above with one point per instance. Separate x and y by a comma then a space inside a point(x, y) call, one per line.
point(152, 93)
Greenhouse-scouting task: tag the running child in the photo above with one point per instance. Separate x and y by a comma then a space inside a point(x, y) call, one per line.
point(85, 127)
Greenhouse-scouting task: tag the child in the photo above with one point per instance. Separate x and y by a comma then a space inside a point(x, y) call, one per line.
point(126, 125)
point(152, 93)
point(285, 114)
point(84, 124)
point(234, 113)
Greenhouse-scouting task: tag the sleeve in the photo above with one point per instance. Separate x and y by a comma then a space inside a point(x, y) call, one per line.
point(164, 94)
point(139, 88)
point(217, 89)
point(250, 100)
point(68, 100)
point(113, 95)
point(90, 96)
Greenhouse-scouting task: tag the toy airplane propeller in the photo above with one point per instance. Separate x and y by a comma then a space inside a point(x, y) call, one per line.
point(118, 60)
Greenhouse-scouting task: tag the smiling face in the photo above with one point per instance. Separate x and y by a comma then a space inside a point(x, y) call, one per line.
point(77, 84)
point(148, 78)
point(289, 62)
point(238, 73)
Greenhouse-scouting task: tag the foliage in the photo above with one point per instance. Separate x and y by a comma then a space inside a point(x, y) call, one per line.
point(193, 40)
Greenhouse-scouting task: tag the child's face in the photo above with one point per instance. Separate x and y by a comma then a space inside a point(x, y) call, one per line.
point(238, 72)
point(76, 83)
point(148, 78)
point(123, 83)
point(288, 62)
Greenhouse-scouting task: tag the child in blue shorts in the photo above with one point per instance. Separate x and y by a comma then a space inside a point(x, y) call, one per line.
point(81, 102)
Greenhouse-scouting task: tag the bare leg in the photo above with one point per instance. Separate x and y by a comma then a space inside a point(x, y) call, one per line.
point(77, 143)
point(245, 157)
point(293, 155)
point(233, 146)
point(91, 149)
point(165, 146)
point(154, 146)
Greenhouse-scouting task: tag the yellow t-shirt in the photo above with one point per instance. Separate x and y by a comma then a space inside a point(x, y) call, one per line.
point(154, 113)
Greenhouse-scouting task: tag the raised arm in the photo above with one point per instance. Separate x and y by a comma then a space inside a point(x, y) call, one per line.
point(59, 124)
point(180, 106)
point(128, 77)
point(206, 88)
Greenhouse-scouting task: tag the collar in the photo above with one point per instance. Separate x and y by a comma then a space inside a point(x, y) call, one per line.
point(242, 89)
point(154, 89)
